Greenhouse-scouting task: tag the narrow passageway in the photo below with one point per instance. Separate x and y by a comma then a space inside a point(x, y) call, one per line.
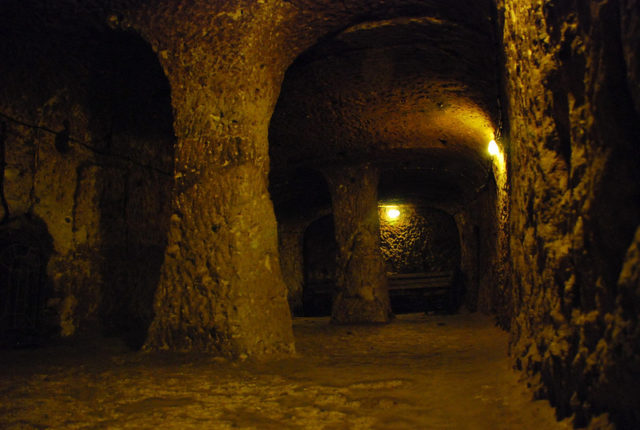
point(419, 372)
point(199, 199)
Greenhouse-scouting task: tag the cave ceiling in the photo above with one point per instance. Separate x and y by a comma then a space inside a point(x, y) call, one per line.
point(417, 96)
point(408, 85)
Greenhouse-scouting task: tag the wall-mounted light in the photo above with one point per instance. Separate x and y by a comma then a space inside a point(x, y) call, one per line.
point(493, 148)
point(498, 161)
point(393, 213)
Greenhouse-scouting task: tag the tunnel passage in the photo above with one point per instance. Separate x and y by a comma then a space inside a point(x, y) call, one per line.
point(392, 74)
point(299, 198)
point(418, 246)
point(395, 97)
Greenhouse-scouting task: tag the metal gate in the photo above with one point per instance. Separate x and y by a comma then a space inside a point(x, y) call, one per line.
point(22, 287)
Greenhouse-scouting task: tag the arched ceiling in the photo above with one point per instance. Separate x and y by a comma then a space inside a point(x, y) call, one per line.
point(409, 85)
point(416, 96)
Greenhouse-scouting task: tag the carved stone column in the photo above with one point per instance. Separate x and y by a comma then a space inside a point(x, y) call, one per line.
point(363, 295)
point(221, 287)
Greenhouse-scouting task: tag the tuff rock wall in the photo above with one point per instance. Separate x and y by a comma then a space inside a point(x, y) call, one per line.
point(573, 94)
point(88, 147)
point(478, 230)
point(421, 239)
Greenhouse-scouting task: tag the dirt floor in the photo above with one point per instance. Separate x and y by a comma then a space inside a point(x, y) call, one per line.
point(420, 372)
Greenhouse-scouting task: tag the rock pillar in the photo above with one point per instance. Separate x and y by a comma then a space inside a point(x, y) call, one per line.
point(363, 295)
point(221, 287)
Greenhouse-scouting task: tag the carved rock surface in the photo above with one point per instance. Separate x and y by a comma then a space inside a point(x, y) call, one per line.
point(574, 127)
point(363, 296)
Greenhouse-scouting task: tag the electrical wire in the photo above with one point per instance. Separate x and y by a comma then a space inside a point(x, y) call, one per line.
point(86, 145)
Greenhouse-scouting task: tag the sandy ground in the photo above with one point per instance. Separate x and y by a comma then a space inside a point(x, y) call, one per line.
point(420, 372)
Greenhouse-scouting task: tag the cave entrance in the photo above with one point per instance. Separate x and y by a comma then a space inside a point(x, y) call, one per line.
point(90, 137)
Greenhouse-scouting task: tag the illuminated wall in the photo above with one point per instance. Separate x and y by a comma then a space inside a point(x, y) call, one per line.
point(418, 239)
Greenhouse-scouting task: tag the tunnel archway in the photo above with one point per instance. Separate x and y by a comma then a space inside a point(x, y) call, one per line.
point(132, 100)
point(299, 197)
point(394, 96)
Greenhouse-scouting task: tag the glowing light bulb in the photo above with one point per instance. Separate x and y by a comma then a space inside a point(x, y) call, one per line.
point(493, 148)
point(393, 213)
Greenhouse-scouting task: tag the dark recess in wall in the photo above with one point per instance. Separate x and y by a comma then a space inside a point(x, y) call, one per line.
point(25, 249)
point(131, 96)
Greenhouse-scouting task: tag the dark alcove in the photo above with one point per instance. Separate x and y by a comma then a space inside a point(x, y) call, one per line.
point(25, 249)
point(320, 251)
point(132, 107)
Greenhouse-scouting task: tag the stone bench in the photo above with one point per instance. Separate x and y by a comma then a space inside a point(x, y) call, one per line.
point(415, 292)
point(423, 291)
point(401, 282)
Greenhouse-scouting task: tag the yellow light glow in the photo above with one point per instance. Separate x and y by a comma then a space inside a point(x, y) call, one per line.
point(493, 148)
point(393, 213)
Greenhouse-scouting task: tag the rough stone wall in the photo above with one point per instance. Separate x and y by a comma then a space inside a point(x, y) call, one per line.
point(476, 226)
point(290, 246)
point(100, 185)
point(484, 253)
point(572, 86)
point(420, 240)
point(40, 181)
point(469, 232)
